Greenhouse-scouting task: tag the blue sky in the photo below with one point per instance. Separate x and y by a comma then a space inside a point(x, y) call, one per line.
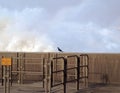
point(73, 25)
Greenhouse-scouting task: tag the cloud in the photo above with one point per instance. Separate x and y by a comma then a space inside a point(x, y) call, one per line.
point(88, 27)
point(86, 38)
point(91, 26)
point(23, 31)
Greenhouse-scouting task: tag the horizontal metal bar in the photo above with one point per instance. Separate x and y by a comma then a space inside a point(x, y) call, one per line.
point(83, 55)
point(57, 84)
point(71, 68)
point(71, 75)
point(30, 63)
point(84, 66)
point(58, 71)
point(56, 89)
point(83, 77)
point(71, 80)
point(28, 72)
point(23, 58)
point(30, 85)
point(59, 58)
point(40, 63)
point(69, 64)
point(72, 56)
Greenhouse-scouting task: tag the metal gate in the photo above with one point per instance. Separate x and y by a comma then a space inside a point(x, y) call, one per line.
point(58, 73)
point(78, 70)
point(84, 69)
point(24, 69)
point(52, 73)
point(31, 67)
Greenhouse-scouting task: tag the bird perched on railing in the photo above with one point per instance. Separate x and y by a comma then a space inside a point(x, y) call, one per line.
point(59, 49)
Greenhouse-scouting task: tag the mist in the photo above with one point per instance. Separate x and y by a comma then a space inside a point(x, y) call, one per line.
point(88, 26)
point(22, 31)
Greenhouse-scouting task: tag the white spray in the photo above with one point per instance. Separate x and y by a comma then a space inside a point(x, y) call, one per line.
point(91, 26)
point(21, 31)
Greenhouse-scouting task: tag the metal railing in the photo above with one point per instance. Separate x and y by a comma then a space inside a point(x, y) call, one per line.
point(49, 69)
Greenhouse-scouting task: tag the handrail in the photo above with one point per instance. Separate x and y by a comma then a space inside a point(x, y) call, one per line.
point(78, 69)
point(64, 72)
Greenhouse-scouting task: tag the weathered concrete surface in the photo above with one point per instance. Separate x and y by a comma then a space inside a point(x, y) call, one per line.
point(111, 88)
point(35, 88)
point(101, 66)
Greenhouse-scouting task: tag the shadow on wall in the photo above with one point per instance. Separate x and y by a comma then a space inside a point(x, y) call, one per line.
point(105, 78)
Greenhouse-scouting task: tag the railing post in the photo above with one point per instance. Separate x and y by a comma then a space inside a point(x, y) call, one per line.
point(84, 64)
point(43, 72)
point(77, 69)
point(2, 75)
point(6, 77)
point(78, 72)
point(50, 72)
point(65, 74)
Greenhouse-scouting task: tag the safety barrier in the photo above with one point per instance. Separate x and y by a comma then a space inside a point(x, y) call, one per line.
point(62, 70)
point(53, 72)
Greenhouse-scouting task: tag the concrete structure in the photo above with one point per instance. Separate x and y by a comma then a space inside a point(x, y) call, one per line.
point(103, 68)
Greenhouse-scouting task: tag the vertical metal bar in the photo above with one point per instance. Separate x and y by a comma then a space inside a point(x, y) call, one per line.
point(19, 68)
point(87, 69)
point(11, 70)
point(75, 65)
point(20, 62)
point(23, 67)
point(81, 70)
point(46, 77)
point(49, 76)
point(43, 72)
point(15, 61)
point(5, 91)
point(8, 79)
point(47, 85)
point(2, 75)
point(52, 73)
point(65, 74)
point(78, 72)
point(55, 68)
point(84, 72)
point(63, 64)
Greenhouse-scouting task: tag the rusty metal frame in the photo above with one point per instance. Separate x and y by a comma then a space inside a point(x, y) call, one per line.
point(63, 71)
point(77, 63)
point(48, 70)
point(84, 65)
point(21, 68)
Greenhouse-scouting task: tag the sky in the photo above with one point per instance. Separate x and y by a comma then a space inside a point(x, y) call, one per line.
point(72, 25)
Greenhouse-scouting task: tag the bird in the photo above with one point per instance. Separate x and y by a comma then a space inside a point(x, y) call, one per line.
point(59, 49)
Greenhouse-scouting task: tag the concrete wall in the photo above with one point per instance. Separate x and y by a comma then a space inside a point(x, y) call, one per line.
point(101, 66)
